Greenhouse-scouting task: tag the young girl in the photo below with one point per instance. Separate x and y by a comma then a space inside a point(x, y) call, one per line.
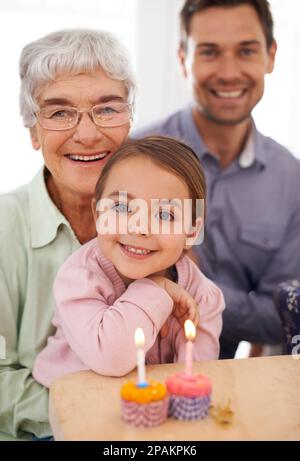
point(136, 272)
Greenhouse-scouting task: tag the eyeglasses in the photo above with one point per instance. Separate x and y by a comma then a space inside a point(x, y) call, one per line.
point(109, 115)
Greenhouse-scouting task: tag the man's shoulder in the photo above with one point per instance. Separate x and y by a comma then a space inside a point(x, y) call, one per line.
point(279, 177)
point(278, 157)
point(168, 126)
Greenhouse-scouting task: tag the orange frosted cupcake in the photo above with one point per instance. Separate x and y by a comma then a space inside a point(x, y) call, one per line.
point(144, 405)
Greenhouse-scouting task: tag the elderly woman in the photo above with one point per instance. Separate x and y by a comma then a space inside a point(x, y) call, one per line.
point(77, 92)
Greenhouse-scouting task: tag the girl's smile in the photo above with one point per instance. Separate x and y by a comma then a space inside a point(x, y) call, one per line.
point(135, 252)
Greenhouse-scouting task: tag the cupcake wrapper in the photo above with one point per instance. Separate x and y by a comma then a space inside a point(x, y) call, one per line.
point(189, 407)
point(145, 415)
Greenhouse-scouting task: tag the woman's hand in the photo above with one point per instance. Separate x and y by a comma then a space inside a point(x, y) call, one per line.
point(184, 306)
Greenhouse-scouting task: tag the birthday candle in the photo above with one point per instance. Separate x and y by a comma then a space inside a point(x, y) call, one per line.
point(139, 340)
point(190, 333)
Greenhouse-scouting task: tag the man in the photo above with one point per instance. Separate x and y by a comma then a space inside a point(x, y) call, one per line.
point(252, 234)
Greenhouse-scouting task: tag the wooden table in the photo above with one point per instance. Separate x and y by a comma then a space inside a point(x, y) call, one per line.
point(264, 395)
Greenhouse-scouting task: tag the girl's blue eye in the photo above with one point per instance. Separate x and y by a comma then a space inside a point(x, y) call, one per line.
point(121, 207)
point(166, 215)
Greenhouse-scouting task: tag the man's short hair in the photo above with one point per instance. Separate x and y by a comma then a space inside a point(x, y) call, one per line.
point(191, 7)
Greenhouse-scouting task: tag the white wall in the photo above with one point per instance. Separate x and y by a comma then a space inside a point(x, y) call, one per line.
point(161, 87)
point(278, 115)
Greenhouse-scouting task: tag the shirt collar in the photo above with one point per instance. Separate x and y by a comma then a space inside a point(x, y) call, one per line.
point(45, 218)
point(247, 156)
point(253, 150)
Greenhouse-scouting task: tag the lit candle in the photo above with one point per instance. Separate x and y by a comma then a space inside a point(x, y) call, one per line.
point(139, 340)
point(190, 333)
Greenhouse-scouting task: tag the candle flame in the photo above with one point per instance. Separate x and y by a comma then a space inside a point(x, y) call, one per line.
point(190, 330)
point(139, 338)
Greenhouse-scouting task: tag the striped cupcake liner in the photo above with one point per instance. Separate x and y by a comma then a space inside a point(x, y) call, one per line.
point(189, 407)
point(145, 414)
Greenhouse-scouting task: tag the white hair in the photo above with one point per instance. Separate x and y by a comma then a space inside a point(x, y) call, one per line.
point(71, 51)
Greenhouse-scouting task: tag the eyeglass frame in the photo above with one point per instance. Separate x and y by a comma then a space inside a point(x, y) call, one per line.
point(90, 112)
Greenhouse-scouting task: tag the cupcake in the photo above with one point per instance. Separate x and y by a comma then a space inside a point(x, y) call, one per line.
point(189, 396)
point(144, 405)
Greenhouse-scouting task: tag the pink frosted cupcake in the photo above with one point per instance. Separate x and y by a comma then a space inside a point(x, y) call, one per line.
point(145, 406)
point(189, 396)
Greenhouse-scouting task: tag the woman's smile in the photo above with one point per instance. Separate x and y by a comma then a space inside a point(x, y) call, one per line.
point(88, 159)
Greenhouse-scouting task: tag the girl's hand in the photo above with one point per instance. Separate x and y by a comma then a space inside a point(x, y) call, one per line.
point(184, 306)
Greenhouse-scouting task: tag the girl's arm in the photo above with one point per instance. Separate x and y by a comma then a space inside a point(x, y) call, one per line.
point(101, 332)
